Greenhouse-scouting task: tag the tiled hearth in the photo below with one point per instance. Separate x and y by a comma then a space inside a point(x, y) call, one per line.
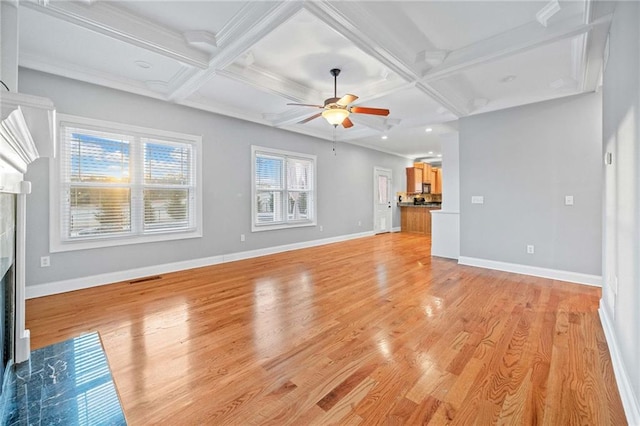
point(66, 383)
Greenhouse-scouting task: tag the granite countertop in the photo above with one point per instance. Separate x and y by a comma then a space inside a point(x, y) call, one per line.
point(424, 206)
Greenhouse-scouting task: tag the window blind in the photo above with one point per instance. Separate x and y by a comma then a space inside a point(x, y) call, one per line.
point(283, 187)
point(120, 185)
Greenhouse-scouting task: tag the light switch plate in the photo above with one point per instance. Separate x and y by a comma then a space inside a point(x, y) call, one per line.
point(477, 199)
point(568, 200)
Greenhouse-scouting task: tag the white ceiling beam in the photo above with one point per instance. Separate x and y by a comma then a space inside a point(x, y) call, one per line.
point(271, 83)
point(362, 28)
point(116, 23)
point(594, 44)
point(547, 12)
point(246, 29)
point(588, 56)
point(521, 39)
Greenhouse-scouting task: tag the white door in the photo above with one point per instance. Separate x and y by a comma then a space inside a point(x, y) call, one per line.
point(382, 208)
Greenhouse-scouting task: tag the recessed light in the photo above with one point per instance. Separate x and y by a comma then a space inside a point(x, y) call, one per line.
point(143, 64)
point(508, 78)
point(439, 155)
point(384, 136)
point(428, 129)
point(430, 152)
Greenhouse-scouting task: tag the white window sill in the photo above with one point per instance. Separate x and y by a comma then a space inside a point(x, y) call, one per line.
point(62, 246)
point(260, 228)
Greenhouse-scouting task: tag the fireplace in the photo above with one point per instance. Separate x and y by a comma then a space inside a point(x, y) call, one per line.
point(27, 132)
point(7, 281)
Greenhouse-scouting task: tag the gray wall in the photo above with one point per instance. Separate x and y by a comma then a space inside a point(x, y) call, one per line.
point(524, 161)
point(621, 132)
point(344, 182)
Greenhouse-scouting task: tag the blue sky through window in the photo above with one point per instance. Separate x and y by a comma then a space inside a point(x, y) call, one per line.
point(96, 158)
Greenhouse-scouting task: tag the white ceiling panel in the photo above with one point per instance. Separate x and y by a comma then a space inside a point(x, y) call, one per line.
point(226, 91)
point(186, 15)
point(304, 49)
point(453, 25)
point(77, 47)
point(543, 73)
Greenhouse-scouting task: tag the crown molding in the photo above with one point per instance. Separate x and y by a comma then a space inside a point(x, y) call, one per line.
point(374, 148)
point(267, 81)
point(240, 34)
point(518, 40)
point(116, 23)
point(205, 104)
point(77, 72)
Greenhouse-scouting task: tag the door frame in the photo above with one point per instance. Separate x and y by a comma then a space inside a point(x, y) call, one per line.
point(377, 169)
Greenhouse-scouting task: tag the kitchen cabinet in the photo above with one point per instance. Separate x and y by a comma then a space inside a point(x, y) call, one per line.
point(416, 219)
point(414, 180)
point(436, 180)
point(426, 171)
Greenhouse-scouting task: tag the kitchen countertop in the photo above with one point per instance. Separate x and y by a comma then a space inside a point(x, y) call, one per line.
point(426, 205)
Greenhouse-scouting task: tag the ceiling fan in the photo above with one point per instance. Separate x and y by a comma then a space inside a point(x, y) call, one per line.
point(337, 110)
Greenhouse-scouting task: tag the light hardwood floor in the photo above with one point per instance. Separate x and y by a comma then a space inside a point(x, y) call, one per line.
point(367, 331)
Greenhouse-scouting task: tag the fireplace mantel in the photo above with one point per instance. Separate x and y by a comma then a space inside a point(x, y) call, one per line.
point(27, 132)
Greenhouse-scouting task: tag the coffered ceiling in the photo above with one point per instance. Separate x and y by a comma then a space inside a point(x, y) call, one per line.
point(428, 62)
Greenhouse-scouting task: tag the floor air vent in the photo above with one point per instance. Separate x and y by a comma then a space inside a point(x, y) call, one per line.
point(145, 279)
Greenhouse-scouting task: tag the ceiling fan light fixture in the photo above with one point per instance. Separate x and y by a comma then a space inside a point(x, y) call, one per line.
point(335, 116)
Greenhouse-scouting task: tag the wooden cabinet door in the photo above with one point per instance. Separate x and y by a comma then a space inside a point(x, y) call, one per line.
point(436, 181)
point(426, 171)
point(414, 180)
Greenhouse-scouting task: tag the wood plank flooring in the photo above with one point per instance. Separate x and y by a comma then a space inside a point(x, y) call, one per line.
point(367, 331)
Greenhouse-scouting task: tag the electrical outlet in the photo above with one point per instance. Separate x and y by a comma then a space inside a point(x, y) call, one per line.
point(568, 200)
point(241, 237)
point(45, 261)
point(530, 249)
point(477, 199)
point(321, 228)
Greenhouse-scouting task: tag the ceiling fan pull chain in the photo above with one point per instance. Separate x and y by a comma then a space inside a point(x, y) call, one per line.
point(334, 142)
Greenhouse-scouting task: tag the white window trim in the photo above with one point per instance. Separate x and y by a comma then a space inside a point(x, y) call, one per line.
point(56, 244)
point(298, 224)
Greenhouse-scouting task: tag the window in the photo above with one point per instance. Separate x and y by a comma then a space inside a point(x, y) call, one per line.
point(115, 184)
point(283, 189)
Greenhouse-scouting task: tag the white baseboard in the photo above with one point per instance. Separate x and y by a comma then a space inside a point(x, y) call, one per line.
point(46, 289)
point(629, 400)
point(554, 274)
point(396, 229)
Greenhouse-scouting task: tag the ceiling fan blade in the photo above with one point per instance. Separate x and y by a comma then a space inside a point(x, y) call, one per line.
point(309, 105)
point(367, 110)
point(346, 100)
point(306, 120)
point(346, 123)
